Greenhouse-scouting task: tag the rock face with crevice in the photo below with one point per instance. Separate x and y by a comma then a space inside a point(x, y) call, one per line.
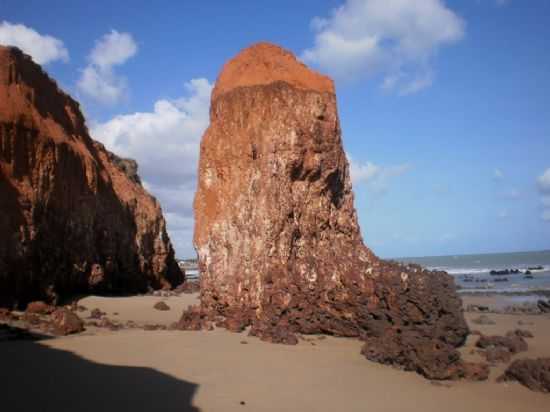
point(276, 231)
point(74, 217)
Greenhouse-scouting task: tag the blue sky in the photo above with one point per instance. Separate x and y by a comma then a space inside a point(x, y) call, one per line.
point(444, 105)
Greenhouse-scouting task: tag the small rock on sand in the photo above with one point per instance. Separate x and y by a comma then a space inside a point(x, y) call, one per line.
point(161, 306)
point(40, 308)
point(97, 314)
point(522, 333)
point(66, 322)
point(483, 320)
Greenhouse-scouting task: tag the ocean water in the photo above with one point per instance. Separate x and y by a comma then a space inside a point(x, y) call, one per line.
point(472, 272)
point(192, 274)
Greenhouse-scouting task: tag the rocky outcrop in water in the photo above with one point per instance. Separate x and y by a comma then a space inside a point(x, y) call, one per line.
point(74, 217)
point(277, 236)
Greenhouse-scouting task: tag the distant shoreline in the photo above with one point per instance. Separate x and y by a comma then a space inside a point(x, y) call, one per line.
point(405, 258)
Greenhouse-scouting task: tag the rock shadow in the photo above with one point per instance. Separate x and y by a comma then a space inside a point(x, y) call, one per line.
point(34, 377)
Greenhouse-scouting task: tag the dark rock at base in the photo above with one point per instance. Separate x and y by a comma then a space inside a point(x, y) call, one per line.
point(522, 333)
point(161, 306)
point(514, 344)
point(65, 322)
point(532, 373)
point(40, 307)
point(483, 320)
point(408, 351)
point(277, 334)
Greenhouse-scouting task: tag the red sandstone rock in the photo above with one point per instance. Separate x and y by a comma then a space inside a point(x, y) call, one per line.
point(40, 308)
point(74, 217)
point(66, 322)
point(276, 231)
point(532, 373)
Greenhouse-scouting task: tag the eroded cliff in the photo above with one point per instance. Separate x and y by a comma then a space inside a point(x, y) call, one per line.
point(74, 217)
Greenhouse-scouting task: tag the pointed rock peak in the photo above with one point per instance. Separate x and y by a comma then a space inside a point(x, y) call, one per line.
point(266, 63)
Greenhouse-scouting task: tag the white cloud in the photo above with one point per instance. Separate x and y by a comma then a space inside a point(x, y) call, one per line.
point(497, 174)
point(113, 49)
point(502, 2)
point(377, 177)
point(165, 142)
point(98, 79)
point(394, 38)
point(363, 173)
point(545, 200)
point(546, 215)
point(43, 48)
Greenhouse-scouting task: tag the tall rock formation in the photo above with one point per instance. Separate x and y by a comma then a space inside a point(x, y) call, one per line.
point(73, 216)
point(276, 231)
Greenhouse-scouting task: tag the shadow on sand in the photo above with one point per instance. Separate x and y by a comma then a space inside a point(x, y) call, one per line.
point(34, 377)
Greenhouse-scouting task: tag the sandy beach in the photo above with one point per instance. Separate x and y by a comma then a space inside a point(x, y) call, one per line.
point(140, 370)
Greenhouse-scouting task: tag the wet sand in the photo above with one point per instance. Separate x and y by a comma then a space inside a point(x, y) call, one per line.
point(216, 371)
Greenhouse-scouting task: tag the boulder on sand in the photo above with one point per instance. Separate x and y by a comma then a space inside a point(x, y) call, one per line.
point(276, 232)
point(65, 322)
point(532, 373)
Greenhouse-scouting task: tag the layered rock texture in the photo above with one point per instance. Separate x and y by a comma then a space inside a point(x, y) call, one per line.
point(277, 235)
point(74, 217)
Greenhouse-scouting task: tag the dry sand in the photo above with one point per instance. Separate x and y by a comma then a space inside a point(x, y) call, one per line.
point(136, 370)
